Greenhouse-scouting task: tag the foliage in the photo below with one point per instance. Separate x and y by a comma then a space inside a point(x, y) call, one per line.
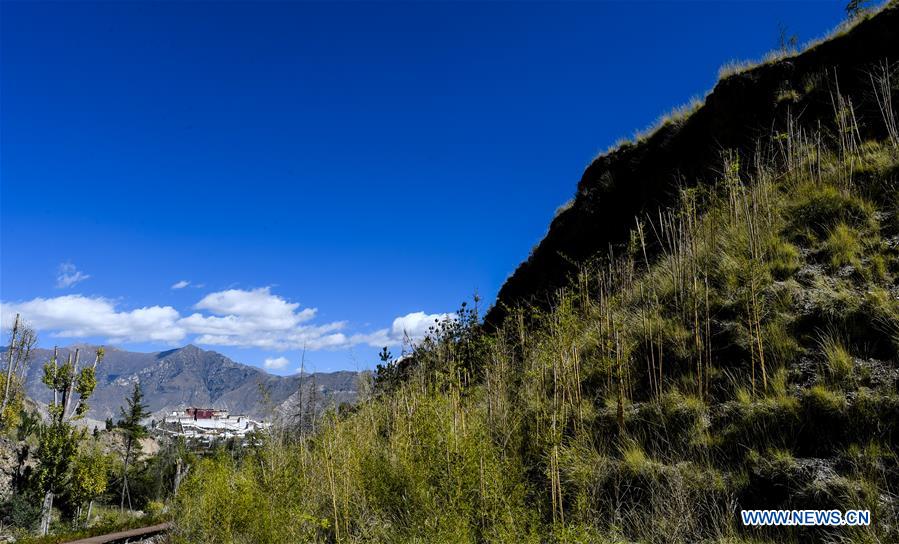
point(130, 424)
point(108, 525)
point(59, 439)
point(15, 362)
point(89, 475)
point(725, 358)
point(22, 510)
point(452, 349)
point(132, 414)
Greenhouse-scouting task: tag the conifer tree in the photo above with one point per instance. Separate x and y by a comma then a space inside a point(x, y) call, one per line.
point(132, 415)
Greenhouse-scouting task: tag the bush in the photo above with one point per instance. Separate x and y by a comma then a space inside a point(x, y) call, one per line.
point(22, 510)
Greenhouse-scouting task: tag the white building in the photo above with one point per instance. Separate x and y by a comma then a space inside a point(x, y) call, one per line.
point(207, 425)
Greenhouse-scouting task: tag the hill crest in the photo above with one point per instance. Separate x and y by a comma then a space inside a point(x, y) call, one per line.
point(639, 179)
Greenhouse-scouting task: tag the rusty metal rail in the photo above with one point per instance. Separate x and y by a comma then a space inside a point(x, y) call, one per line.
point(121, 537)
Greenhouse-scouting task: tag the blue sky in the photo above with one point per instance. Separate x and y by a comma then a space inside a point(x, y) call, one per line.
point(321, 174)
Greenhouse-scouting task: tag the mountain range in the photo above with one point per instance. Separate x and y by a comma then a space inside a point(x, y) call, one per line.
point(190, 376)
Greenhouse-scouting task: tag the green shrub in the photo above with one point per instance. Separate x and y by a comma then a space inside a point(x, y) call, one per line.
point(22, 510)
point(874, 415)
point(881, 310)
point(155, 508)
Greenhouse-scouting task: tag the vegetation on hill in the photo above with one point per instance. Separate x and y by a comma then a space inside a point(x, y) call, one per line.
point(58, 478)
point(741, 351)
point(65, 482)
point(643, 175)
point(15, 362)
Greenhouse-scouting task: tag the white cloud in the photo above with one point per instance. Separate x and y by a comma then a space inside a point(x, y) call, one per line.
point(245, 334)
point(77, 316)
point(68, 275)
point(414, 327)
point(275, 363)
point(181, 284)
point(234, 317)
point(258, 318)
point(258, 304)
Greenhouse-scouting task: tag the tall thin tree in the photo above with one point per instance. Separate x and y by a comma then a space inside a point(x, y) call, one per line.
point(22, 340)
point(134, 431)
point(59, 438)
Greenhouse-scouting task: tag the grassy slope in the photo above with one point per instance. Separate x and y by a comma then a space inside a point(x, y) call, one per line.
point(643, 176)
point(753, 364)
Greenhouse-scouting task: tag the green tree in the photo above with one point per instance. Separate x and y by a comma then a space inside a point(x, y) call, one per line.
point(23, 508)
point(387, 372)
point(89, 479)
point(132, 415)
point(22, 340)
point(59, 439)
point(29, 426)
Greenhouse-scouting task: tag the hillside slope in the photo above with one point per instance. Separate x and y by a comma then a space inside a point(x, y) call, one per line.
point(639, 178)
point(739, 351)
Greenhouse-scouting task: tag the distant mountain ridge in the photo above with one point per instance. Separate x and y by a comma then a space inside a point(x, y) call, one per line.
point(190, 376)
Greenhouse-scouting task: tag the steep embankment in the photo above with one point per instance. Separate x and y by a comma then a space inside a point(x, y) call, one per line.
point(638, 179)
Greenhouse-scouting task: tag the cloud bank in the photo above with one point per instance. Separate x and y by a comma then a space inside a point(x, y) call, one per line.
point(234, 317)
point(77, 316)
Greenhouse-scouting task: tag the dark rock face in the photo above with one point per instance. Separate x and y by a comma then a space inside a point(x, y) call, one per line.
point(189, 376)
point(637, 180)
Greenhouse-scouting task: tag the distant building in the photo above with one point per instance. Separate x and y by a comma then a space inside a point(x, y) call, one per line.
point(208, 424)
point(204, 413)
